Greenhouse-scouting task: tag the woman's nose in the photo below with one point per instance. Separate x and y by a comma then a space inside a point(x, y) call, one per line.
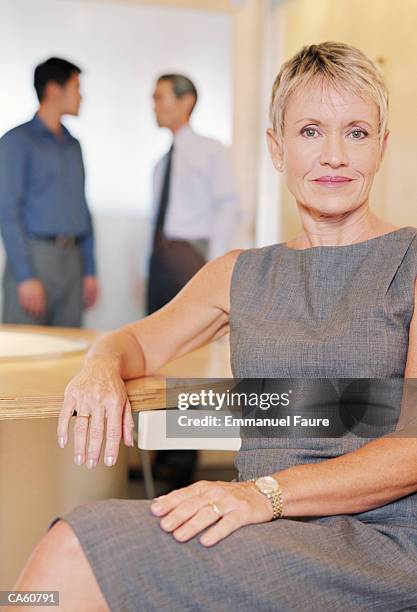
point(333, 152)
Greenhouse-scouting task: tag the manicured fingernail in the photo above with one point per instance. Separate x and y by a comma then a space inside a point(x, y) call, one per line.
point(62, 441)
point(109, 461)
point(78, 459)
point(91, 463)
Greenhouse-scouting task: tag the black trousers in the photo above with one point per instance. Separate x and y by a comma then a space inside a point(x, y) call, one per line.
point(172, 264)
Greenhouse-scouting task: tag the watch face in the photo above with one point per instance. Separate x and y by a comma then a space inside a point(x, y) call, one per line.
point(267, 484)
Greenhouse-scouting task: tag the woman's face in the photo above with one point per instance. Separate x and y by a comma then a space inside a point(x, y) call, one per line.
point(330, 149)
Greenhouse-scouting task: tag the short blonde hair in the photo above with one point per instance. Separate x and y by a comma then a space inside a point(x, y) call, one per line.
point(336, 64)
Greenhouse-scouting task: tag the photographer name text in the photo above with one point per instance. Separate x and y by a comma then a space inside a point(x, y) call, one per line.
point(293, 420)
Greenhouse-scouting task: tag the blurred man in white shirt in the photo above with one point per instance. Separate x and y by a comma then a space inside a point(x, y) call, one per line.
point(194, 216)
point(195, 200)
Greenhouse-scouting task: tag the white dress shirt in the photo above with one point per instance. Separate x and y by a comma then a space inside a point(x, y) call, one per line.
point(203, 202)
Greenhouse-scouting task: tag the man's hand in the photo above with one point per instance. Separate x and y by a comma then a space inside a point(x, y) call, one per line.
point(90, 291)
point(32, 297)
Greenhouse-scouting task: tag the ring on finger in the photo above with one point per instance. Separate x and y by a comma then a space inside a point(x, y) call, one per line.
point(216, 509)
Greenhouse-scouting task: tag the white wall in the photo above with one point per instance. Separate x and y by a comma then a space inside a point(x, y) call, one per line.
point(121, 49)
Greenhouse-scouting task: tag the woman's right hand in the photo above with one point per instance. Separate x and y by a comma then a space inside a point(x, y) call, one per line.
point(98, 395)
point(197, 315)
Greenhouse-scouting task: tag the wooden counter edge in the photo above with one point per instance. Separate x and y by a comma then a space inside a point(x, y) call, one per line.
point(146, 393)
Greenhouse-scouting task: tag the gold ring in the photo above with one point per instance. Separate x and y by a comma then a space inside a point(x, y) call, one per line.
point(87, 416)
point(216, 509)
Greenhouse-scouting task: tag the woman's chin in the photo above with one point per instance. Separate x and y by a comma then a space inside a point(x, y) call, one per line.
point(332, 208)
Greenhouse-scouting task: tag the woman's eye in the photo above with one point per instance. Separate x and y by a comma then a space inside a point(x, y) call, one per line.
point(358, 134)
point(309, 132)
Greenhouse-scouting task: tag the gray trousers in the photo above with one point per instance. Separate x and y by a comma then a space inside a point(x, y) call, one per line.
point(60, 268)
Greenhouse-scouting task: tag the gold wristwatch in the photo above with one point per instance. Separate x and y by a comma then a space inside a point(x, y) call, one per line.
point(268, 486)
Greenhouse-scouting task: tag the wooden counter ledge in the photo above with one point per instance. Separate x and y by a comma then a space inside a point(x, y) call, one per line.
point(34, 388)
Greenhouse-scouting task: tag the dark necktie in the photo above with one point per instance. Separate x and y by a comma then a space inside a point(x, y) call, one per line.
point(163, 201)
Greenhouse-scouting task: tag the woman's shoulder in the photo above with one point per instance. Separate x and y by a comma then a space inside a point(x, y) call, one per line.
point(256, 253)
point(407, 230)
point(407, 247)
point(405, 239)
point(259, 257)
point(223, 271)
point(411, 231)
point(229, 260)
point(242, 267)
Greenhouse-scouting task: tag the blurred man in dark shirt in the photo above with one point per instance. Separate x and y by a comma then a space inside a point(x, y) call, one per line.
point(49, 277)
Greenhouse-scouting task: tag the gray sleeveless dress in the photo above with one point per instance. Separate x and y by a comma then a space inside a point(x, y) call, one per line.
point(319, 312)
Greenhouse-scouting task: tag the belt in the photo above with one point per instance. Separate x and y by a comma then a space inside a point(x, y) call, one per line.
point(60, 239)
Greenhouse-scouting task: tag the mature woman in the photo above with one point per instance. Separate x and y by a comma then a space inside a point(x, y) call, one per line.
point(337, 301)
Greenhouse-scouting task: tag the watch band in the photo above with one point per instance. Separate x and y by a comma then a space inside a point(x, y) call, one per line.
point(275, 497)
point(276, 500)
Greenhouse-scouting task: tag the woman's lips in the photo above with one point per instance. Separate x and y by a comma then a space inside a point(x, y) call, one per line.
point(333, 181)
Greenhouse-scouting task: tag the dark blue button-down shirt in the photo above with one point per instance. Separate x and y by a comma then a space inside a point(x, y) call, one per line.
point(42, 193)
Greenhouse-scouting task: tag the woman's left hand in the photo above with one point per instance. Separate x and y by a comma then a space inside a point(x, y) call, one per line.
point(225, 505)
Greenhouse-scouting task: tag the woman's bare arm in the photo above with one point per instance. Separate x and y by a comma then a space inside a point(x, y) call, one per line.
point(196, 316)
point(379, 472)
